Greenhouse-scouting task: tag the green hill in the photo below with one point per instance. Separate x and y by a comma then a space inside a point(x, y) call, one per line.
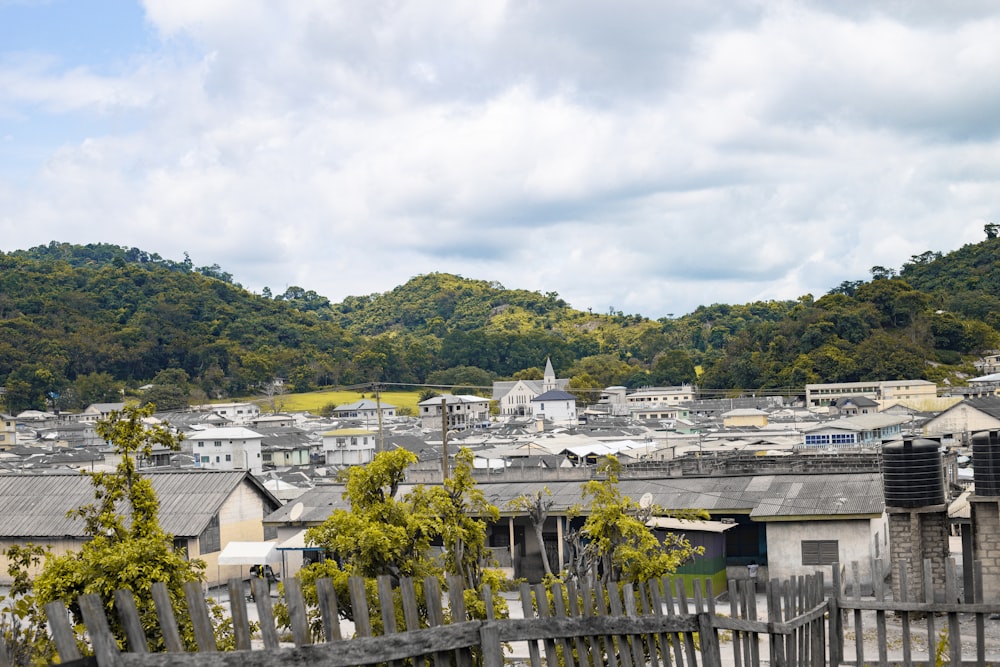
point(79, 324)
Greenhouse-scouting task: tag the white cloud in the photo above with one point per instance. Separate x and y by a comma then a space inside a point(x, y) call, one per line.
point(646, 156)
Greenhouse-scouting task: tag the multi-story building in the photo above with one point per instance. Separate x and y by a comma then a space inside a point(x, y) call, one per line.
point(462, 411)
point(349, 446)
point(652, 397)
point(885, 391)
point(227, 448)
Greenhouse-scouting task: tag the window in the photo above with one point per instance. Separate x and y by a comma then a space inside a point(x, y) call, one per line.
point(201, 444)
point(820, 552)
point(229, 457)
point(218, 443)
point(210, 538)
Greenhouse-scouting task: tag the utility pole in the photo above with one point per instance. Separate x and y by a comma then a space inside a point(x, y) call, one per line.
point(378, 409)
point(444, 436)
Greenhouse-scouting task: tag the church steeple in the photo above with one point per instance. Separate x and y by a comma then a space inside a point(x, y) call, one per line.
point(549, 377)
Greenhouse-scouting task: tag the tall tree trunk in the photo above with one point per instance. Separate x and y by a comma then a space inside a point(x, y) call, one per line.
point(541, 547)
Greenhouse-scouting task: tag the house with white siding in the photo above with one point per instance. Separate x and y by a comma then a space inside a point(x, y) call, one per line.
point(227, 448)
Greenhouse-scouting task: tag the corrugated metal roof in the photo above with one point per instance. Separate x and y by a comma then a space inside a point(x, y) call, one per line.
point(762, 496)
point(33, 506)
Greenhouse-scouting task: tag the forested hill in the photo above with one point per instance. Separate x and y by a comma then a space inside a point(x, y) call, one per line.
point(80, 323)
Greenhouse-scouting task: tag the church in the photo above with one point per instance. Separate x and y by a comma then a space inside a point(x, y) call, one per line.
point(515, 397)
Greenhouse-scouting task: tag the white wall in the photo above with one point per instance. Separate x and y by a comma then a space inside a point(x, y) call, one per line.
point(857, 540)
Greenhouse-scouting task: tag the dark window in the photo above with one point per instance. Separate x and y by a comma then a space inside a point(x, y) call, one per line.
point(210, 540)
point(820, 552)
point(181, 547)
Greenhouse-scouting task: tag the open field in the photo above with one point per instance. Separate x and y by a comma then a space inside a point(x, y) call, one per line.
point(315, 400)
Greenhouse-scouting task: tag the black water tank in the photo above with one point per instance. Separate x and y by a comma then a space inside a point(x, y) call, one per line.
point(912, 473)
point(986, 462)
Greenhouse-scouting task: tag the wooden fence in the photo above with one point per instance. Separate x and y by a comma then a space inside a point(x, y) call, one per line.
point(654, 623)
point(930, 631)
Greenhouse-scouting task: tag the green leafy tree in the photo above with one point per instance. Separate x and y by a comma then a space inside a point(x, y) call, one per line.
point(383, 534)
point(615, 540)
point(127, 548)
point(22, 623)
point(673, 367)
point(97, 388)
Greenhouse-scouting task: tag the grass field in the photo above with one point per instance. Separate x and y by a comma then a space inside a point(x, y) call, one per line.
point(315, 400)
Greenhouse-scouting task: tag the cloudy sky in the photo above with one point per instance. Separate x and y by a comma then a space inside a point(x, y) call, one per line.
point(645, 156)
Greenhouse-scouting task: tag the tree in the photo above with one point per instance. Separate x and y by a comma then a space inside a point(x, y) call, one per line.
point(615, 540)
point(536, 507)
point(385, 535)
point(991, 229)
point(127, 549)
point(673, 367)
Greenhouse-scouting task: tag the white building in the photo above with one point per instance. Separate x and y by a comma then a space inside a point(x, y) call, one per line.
point(462, 411)
point(656, 397)
point(349, 446)
point(237, 413)
point(365, 409)
point(555, 405)
point(515, 397)
point(227, 448)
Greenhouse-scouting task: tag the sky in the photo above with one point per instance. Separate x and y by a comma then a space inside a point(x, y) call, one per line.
point(637, 156)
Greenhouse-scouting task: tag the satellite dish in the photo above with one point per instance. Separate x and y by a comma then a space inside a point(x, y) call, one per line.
point(295, 512)
point(646, 500)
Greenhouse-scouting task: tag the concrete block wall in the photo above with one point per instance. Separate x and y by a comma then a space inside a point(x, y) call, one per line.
point(915, 535)
point(986, 542)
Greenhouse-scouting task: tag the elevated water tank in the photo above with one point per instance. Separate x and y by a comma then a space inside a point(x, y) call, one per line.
point(912, 473)
point(986, 462)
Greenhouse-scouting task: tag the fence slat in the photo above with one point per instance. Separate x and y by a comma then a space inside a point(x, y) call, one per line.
point(932, 638)
point(297, 613)
point(676, 638)
point(625, 642)
point(643, 609)
point(951, 595)
point(776, 643)
point(903, 585)
point(542, 608)
point(559, 611)
point(103, 642)
point(977, 586)
point(62, 631)
point(165, 617)
point(128, 614)
point(329, 612)
point(204, 633)
point(238, 612)
point(587, 609)
point(265, 612)
point(612, 650)
point(529, 612)
point(682, 601)
point(656, 606)
point(435, 613)
point(359, 606)
point(456, 600)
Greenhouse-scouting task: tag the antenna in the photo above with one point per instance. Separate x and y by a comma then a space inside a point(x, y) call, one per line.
point(295, 512)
